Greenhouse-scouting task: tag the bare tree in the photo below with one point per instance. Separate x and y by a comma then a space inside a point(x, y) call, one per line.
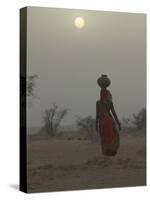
point(53, 118)
point(31, 85)
point(87, 124)
point(27, 84)
point(140, 119)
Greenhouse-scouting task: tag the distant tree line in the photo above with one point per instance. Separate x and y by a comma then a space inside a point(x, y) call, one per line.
point(139, 120)
point(54, 116)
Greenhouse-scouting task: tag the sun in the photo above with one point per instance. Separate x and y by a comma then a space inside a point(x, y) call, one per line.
point(79, 22)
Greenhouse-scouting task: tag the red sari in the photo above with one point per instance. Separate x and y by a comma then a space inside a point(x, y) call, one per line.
point(107, 129)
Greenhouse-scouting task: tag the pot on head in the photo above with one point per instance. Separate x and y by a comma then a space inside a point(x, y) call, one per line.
point(103, 81)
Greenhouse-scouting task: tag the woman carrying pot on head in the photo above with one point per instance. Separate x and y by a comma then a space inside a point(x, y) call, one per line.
point(106, 118)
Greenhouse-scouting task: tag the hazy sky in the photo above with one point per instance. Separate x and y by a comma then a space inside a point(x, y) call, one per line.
point(68, 60)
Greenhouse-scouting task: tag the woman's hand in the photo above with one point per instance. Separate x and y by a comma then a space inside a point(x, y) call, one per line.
point(115, 116)
point(119, 126)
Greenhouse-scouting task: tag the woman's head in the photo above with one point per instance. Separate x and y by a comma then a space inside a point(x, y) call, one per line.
point(103, 81)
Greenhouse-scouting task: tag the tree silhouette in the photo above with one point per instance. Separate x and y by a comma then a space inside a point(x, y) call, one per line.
point(53, 118)
point(87, 124)
point(31, 85)
point(27, 85)
point(140, 119)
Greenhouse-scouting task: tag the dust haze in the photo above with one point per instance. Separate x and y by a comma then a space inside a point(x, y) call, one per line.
point(68, 60)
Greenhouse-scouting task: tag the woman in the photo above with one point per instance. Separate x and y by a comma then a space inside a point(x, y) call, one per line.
point(105, 123)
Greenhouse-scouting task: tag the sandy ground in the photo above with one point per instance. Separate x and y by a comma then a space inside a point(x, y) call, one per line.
point(58, 165)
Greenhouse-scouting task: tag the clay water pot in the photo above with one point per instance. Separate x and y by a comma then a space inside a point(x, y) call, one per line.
point(103, 81)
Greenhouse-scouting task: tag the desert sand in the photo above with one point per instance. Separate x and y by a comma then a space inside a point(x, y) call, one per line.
point(62, 164)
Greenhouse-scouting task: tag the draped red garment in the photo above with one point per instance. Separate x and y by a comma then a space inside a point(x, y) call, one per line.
point(106, 130)
point(105, 119)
